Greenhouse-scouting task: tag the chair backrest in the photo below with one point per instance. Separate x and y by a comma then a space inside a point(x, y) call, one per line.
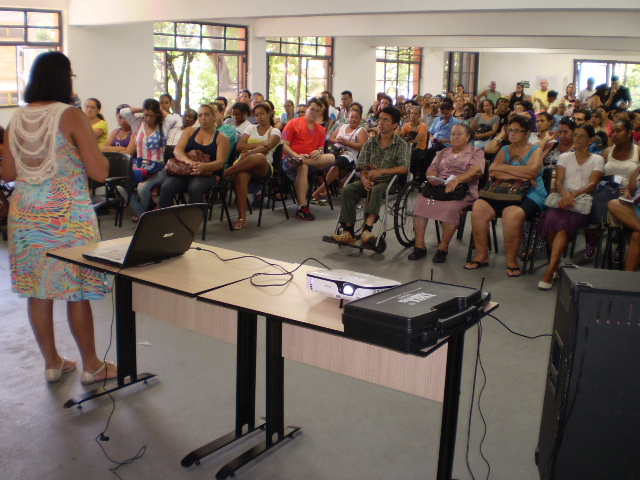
point(277, 159)
point(121, 168)
point(168, 152)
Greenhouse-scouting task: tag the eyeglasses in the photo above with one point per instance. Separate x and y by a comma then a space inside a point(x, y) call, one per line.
point(580, 136)
point(515, 130)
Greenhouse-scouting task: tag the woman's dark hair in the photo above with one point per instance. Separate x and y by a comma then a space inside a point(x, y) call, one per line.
point(168, 96)
point(357, 106)
point(626, 124)
point(325, 112)
point(264, 105)
point(568, 122)
point(219, 106)
point(154, 105)
point(490, 101)
point(553, 94)
point(243, 107)
point(591, 132)
point(121, 106)
point(547, 115)
point(98, 104)
point(601, 91)
point(472, 106)
point(50, 79)
point(520, 120)
point(527, 104)
point(467, 129)
point(566, 90)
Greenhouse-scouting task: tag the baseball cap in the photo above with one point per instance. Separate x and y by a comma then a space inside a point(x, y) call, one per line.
point(591, 80)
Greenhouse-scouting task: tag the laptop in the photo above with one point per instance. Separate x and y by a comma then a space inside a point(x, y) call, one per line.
point(160, 234)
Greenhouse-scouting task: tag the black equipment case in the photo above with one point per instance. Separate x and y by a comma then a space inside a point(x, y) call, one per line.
point(413, 316)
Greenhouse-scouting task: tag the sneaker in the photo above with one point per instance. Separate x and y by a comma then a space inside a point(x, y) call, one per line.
point(303, 213)
point(367, 238)
point(344, 237)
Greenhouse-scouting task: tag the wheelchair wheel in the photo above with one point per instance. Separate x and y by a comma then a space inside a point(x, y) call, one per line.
point(403, 213)
point(381, 246)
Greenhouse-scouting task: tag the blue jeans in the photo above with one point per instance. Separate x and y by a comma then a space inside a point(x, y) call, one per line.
point(140, 202)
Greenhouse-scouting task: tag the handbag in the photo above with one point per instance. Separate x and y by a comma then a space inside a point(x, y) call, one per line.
point(582, 203)
point(438, 192)
point(176, 168)
point(604, 192)
point(505, 190)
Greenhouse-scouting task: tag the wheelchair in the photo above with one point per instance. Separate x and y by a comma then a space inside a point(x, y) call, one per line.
point(398, 205)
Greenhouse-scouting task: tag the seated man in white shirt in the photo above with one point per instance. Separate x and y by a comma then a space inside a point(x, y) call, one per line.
point(188, 120)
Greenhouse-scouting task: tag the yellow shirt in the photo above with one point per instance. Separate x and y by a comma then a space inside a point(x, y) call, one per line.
point(541, 97)
point(101, 125)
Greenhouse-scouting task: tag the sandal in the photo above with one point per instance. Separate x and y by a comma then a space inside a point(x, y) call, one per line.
point(135, 219)
point(240, 224)
point(53, 375)
point(110, 372)
point(475, 265)
point(511, 272)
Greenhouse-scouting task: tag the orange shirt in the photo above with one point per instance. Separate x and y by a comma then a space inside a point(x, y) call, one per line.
point(301, 139)
point(421, 128)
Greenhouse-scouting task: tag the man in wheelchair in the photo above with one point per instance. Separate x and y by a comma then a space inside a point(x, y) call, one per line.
point(383, 156)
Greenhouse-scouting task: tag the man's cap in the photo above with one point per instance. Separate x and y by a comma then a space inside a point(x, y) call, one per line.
point(591, 80)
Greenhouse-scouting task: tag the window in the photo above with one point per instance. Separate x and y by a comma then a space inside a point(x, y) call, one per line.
point(24, 34)
point(461, 68)
point(398, 70)
point(602, 71)
point(298, 68)
point(197, 62)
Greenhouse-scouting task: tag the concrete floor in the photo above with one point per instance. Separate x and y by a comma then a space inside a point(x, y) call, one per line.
point(351, 429)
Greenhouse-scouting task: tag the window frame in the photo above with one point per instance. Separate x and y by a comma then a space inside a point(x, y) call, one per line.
point(451, 78)
point(610, 65)
point(412, 64)
point(281, 42)
point(243, 55)
point(25, 43)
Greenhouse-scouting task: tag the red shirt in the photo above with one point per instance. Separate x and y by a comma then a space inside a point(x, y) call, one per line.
point(302, 140)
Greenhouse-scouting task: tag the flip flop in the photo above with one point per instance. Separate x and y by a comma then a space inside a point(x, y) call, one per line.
point(511, 270)
point(477, 265)
point(240, 224)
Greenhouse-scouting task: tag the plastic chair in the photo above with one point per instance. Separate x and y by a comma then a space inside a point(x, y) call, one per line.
point(118, 187)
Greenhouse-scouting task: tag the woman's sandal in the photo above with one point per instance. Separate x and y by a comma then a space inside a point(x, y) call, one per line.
point(476, 265)
point(87, 378)
point(53, 375)
point(240, 224)
point(511, 272)
point(135, 219)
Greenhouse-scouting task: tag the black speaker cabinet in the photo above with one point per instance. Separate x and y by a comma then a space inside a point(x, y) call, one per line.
point(590, 428)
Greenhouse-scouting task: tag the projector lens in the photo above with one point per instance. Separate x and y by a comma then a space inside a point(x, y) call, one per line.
point(348, 289)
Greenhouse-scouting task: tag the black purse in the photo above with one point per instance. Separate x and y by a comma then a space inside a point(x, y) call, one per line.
point(438, 192)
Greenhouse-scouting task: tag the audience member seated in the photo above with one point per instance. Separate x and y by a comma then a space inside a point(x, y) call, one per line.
point(622, 158)
point(597, 122)
point(544, 124)
point(223, 101)
point(166, 104)
point(559, 115)
point(229, 131)
point(289, 112)
point(415, 133)
point(577, 173)
point(372, 119)
point(431, 111)
point(466, 164)
point(347, 142)
point(303, 142)
point(301, 110)
point(150, 138)
point(485, 125)
point(256, 147)
point(188, 120)
point(512, 162)
point(240, 112)
point(469, 111)
point(346, 99)
point(272, 116)
point(207, 140)
point(384, 155)
point(118, 139)
point(440, 132)
point(100, 128)
point(256, 99)
point(458, 103)
point(554, 103)
point(628, 214)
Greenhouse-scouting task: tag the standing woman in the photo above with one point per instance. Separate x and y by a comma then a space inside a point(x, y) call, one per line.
point(92, 108)
point(570, 98)
point(151, 133)
point(256, 147)
point(118, 139)
point(49, 150)
point(517, 96)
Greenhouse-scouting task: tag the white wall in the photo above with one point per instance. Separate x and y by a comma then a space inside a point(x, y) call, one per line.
point(354, 69)
point(508, 68)
point(113, 64)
